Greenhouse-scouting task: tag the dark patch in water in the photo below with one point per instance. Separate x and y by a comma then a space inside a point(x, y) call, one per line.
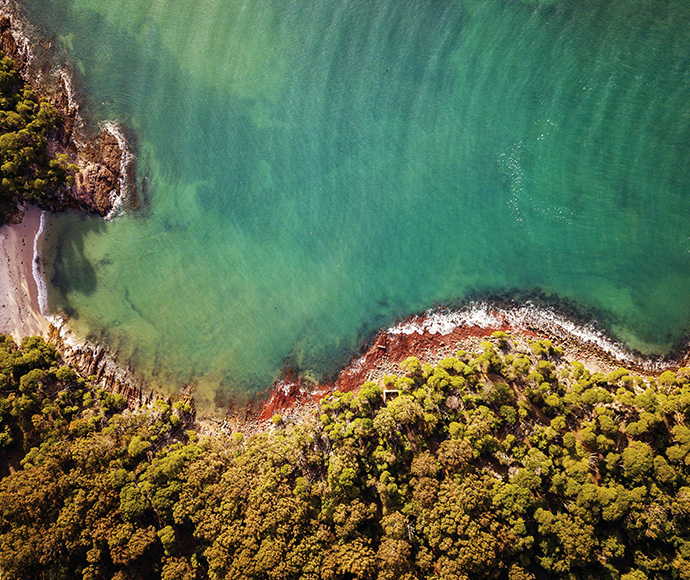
point(71, 270)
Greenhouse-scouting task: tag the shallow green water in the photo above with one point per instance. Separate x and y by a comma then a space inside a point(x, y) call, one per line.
point(317, 169)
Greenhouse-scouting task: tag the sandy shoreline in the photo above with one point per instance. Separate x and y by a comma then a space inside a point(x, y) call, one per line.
point(20, 314)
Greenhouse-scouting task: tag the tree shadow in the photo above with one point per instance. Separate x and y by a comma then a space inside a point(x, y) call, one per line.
point(70, 270)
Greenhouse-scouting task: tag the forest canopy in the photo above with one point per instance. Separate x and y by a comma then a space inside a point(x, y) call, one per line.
point(507, 463)
point(29, 173)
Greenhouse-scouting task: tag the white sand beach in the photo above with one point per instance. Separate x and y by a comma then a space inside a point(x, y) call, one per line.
point(19, 308)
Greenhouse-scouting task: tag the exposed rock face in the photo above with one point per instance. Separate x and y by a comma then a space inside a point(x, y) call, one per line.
point(293, 397)
point(98, 181)
point(104, 162)
point(97, 361)
point(8, 44)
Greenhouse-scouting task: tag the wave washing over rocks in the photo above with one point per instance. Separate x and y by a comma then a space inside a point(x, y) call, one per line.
point(438, 334)
point(103, 185)
point(528, 317)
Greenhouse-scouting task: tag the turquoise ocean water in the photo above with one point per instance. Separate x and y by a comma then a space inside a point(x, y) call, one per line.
point(315, 170)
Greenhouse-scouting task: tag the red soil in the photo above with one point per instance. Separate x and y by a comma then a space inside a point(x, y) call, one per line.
point(291, 395)
point(385, 352)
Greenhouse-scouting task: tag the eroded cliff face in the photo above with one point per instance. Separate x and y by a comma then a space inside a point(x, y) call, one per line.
point(104, 161)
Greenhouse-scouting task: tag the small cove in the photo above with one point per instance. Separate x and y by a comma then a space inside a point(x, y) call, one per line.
point(316, 171)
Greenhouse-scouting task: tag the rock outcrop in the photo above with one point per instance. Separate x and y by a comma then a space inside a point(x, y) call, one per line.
point(97, 362)
point(97, 184)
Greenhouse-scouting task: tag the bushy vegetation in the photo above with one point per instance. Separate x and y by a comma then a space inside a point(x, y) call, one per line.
point(498, 464)
point(29, 173)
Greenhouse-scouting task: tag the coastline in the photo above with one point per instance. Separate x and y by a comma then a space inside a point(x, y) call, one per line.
point(20, 309)
point(430, 336)
point(104, 185)
point(438, 334)
point(104, 181)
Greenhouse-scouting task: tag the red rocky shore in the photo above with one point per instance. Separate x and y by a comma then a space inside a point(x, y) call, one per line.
point(104, 160)
point(294, 397)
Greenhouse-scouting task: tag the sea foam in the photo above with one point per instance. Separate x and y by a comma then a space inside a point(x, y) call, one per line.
point(126, 159)
point(527, 316)
point(36, 268)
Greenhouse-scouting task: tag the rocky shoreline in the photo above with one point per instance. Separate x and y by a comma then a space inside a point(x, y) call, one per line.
point(105, 160)
point(97, 362)
point(103, 185)
point(435, 335)
point(431, 337)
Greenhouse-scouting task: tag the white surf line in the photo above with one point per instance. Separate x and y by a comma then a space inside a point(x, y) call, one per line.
point(36, 269)
point(523, 317)
point(10, 9)
point(66, 78)
point(552, 322)
point(126, 158)
point(445, 321)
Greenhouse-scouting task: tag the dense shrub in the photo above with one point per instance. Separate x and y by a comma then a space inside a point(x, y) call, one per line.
point(473, 471)
point(29, 173)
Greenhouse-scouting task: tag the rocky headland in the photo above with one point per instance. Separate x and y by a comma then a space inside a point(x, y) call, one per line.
point(102, 185)
point(103, 157)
